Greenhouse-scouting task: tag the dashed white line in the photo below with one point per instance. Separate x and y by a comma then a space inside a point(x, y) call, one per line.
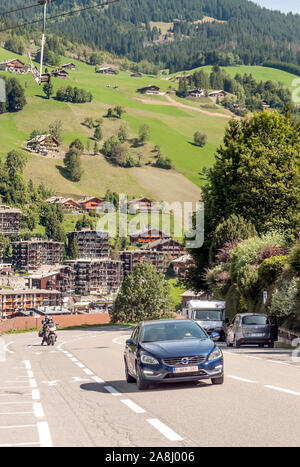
point(97, 379)
point(165, 430)
point(35, 394)
point(241, 379)
point(44, 434)
point(38, 410)
point(136, 408)
point(276, 388)
point(112, 390)
point(87, 371)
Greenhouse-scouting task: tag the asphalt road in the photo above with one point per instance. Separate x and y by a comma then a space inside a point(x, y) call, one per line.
point(75, 395)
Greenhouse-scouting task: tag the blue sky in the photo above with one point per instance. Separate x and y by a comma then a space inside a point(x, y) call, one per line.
point(283, 5)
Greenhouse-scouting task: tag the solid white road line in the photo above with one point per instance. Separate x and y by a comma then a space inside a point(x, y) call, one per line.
point(166, 431)
point(241, 379)
point(136, 408)
point(276, 388)
point(44, 434)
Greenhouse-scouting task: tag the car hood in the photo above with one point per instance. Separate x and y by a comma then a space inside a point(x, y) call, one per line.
point(178, 348)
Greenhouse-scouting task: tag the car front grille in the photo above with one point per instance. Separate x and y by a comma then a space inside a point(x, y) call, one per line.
point(178, 361)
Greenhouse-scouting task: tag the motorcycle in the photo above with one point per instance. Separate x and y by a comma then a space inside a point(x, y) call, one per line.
point(50, 334)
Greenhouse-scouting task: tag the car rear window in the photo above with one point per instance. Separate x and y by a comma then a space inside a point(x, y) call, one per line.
point(255, 320)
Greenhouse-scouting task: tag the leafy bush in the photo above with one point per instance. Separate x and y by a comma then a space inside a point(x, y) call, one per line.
point(294, 258)
point(271, 268)
point(284, 298)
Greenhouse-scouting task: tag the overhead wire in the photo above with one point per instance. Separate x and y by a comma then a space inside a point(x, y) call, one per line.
point(26, 7)
point(59, 15)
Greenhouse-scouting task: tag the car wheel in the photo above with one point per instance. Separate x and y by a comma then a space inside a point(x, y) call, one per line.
point(129, 378)
point(219, 380)
point(271, 345)
point(139, 381)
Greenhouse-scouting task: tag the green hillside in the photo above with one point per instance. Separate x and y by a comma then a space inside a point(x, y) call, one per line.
point(171, 127)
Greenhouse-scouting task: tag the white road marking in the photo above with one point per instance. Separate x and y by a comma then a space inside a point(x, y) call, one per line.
point(81, 365)
point(255, 358)
point(87, 371)
point(18, 444)
point(44, 434)
point(166, 431)
point(35, 394)
point(276, 388)
point(278, 361)
point(7, 427)
point(27, 364)
point(32, 383)
point(38, 410)
point(112, 390)
point(241, 379)
point(97, 379)
point(136, 408)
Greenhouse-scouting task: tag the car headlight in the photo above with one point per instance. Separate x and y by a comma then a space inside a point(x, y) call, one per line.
point(215, 354)
point(148, 359)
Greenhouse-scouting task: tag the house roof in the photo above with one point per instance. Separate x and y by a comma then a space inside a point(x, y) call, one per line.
point(89, 198)
point(41, 138)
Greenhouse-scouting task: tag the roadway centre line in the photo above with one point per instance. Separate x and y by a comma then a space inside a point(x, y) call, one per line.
point(164, 429)
point(241, 379)
point(112, 391)
point(133, 406)
point(276, 388)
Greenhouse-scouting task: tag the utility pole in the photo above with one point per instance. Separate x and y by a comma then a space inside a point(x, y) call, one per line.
point(43, 2)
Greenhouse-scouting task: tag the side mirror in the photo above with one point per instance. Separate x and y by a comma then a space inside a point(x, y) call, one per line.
point(130, 342)
point(214, 336)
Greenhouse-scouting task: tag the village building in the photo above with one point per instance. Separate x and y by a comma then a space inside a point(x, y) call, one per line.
point(182, 264)
point(196, 93)
point(151, 89)
point(136, 74)
point(91, 203)
point(14, 301)
point(191, 295)
point(14, 66)
point(218, 94)
point(142, 205)
point(131, 258)
point(168, 246)
point(60, 74)
point(96, 276)
point(91, 243)
point(67, 204)
point(188, 78)
point(69, 66)
point(10, 220)
point(43, 144)
point(32, 254)
point(106, 70)
point(147, 235)
point(60, 278)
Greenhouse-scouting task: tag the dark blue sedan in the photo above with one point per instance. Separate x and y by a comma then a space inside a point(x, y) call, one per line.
point(171, 351)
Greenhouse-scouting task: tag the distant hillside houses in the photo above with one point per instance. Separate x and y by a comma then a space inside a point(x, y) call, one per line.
point(197, 92)
point(60, 73)
point(68, 204)
point(218, 94)
point(14, 66)
point(69, 66)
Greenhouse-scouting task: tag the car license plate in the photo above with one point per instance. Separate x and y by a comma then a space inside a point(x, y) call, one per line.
point(185, 369)
point(256, 334)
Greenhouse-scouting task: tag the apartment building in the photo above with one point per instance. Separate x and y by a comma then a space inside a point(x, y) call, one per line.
point(96, 276)
point(10, 220)
point(14, 301)
point(130, 258)
point(91, 243)
point(32, 254)
point(61, 278)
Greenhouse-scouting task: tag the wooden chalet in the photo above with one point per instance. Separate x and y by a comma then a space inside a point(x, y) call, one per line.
point(43, 144)
point(147, 235)
point(196, 92)
point(69, 66)
point(68, 204)
point(137, 74)
point(106, 70)
point(141, 204)
point(14, 66)
point(151, 89)
point(218, 94)
point(167, 245)
point(60, 74)
point(91, 203)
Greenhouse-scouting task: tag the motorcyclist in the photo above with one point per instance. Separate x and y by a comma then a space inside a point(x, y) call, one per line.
point(45, 324)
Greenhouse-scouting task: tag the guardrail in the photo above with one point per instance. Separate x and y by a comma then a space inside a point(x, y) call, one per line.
point(286, 336)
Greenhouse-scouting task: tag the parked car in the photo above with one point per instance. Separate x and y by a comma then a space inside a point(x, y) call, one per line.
point(251, 328)
point(171, 351)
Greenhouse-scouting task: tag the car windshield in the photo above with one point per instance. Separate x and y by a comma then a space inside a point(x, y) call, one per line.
point(172, 331)
point(208, 315)
point(255, 320)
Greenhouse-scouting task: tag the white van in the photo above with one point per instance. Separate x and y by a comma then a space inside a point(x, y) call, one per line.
point(210, 315)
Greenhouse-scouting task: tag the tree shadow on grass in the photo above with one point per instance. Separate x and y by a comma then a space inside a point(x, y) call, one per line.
point(63, 172)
